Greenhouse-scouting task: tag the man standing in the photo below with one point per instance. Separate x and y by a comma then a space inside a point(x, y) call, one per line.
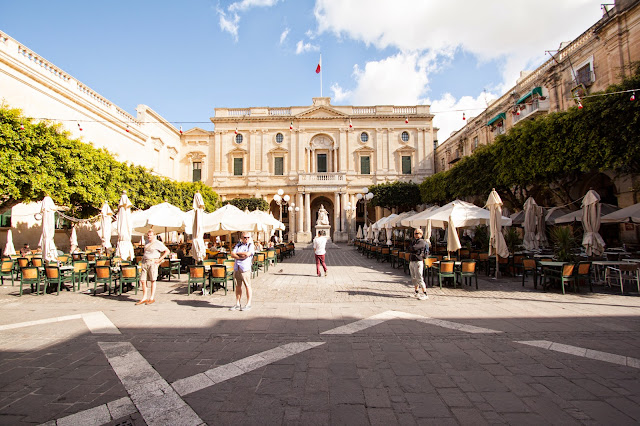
point(418, 250)
point(243, 254)
point(320, 249)
point(154, 253)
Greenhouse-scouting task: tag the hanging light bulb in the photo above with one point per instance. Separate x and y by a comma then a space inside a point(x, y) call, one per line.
point(236, 131)
point(579, 105)
point(79, 127)
point(350, 124)
point(406, 120)
point(633, 96)
point(21, 126)
point(180, 129)
point(127, 129)
point(464, 117)
point(291, 126)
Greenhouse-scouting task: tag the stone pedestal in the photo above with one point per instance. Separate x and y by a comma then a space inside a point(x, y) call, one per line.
point(326, 229)
point(340, 237)
point(303, 237)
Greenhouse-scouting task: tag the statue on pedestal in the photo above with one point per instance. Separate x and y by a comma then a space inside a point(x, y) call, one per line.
point(323, 216)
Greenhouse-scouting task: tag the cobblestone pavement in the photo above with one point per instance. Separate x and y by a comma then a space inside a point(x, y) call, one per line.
point(354, 347)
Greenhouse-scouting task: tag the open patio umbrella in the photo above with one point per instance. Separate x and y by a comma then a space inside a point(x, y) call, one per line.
point(576, 216)
point(453, 241)
point(464, 215)
point(592, 241)
point(73, 240)
point(530, 224)
point(497, 244)
point(629, 214)
point(125, 228)
point(105, 225)
point(9, 249)
point(48, 210)
point(359, 234)
point(198, 249)
point(163, 217)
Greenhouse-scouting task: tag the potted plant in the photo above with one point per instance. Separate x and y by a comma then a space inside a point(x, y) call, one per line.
point(512, 238)
point(564, 241)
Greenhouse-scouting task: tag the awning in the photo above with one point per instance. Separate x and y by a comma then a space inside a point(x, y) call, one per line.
point(536, 90)
point(501, 116)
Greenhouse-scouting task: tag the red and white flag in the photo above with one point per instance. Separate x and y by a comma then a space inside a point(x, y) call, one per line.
point(319, 67)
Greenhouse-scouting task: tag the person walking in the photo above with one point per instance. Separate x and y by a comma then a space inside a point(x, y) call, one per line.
point(320, 249)
point(243, 253)
point(154, 253)
point(418, 250)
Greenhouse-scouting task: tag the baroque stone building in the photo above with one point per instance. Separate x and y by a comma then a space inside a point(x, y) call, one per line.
point(319, 154)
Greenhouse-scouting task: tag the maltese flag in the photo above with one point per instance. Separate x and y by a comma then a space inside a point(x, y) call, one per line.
point(319, 67)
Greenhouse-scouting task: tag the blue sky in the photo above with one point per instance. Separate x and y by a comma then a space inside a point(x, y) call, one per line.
point(184, 59)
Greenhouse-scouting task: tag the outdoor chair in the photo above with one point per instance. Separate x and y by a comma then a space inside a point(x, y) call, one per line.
point(529, 267)
point(103, 262)
point(430, 268)
point(80, 272)
point(22, 262)
point(218, 277)
point(229, 264)
point(483, 261)
point(504, 265)
point(447, 271)
point(260, 261)
point(208, 262)
point(516, 266)
point(468, 272)
point(64, 259)
point(385, 254)
point(76, 256)
point(463, 254)
point(37, 262)
point(405, 264)
point(394, 257)
point(400, 259)
point(196, 276)
point(30, 275)
point(271, 258)
point(617, 276)
point(103, 276)
point(129, 276)
point(583, 274)
point(567, 276)
point(53, 276)
point(6, 270)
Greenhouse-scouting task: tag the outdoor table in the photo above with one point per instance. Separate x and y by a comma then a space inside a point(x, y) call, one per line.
point(555, 267)
point(598, 264)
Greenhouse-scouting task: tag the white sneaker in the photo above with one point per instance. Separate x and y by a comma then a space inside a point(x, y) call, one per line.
point(246, 308)
point(235, 308)
point(417, 295)
point(423, 296)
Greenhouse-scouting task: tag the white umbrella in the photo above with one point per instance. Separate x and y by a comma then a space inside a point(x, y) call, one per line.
point(629, 214)
point(49, 251)
point(228, 219)
point(592, 241)
point(541, 232)
point(370, 233)
point(497, 244)
point(125, 228)
point(464, 215)
point(530, 224)
point(576, 216)
point(359, 234)
point(198, 249)
point(163, 217)
point(9, 249)
point(453, 241)
point(73, 240)
point(378, 225)
point(409, 221)
point(105, 225)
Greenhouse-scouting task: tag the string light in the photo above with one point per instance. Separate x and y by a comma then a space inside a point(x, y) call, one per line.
point(127, 129)
point(350, 124)
point(464, 117)
point(633, 96)
point(180, 129)
point(406, 120)
point(291, 126)
point(79, 127)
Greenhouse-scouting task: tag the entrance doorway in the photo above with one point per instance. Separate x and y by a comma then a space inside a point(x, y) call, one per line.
point(315, 207)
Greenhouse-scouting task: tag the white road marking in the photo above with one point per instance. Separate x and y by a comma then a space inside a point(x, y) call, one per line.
point(99, 415)
point(155, 399)
point(584, 352)
point(97, 322)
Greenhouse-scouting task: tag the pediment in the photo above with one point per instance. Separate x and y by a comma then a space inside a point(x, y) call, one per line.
point(405, 149)
point(238, 150)
point(196, 131)
point(278, 150)
point(364, 149)
point(322, 111)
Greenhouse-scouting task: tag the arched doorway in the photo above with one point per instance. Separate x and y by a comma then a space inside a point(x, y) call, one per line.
point(315, 207)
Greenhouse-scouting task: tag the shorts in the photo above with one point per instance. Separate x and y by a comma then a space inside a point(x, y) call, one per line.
point(242, 277)
point(149, 270)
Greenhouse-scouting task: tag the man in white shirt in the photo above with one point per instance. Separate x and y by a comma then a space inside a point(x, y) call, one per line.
point(154, 253)
point(319, 248)
point(243, 254)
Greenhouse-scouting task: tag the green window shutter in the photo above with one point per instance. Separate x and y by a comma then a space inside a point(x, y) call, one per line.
point(406, 164)
point(278, 167)
point(5, 218)
point(365, 165)
point(237, 166)
point(322, 163)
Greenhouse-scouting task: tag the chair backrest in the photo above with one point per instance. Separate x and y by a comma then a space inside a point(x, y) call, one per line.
point(229, 264)
point(473, 255)
point(430, 261)
point(529, 264)
point(91, 257)
point(483, 256)
point(7, 265)
point(64, 258)
point(76, 256)
point(129, 271)
point(103, 262)
point(218, 271)
point(567, 270)
point(208, 262)
point(584, 268)
point(165, 264)
point(629, 267)
point(517, 259)
point(464, 253)
point(447, 266)
point(52, 272)
point(407, 256)
point(37, 262)
point(503, 260)
point(30, 273)
point(196, 271)
point(468, 266)
point(260, 257)
point(80, 265)
point(271, 254)
point(103, 271)
point(23, 262)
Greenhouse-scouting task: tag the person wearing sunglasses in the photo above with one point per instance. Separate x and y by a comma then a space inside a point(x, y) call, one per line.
point(418, 250)
point(243, 253)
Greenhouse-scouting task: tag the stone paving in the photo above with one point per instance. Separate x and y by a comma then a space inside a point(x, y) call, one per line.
point(354, 347)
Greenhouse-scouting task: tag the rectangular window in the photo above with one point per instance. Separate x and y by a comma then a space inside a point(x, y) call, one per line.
point(197, 172)
point(237, 166)
point(583, 75)
point(406, 164)
point(5, 219)
point(278, 166)
point(322, 163)
point(365, 165)
point(475, 142)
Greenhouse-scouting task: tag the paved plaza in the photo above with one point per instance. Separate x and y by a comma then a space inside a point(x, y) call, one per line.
point(355, 347)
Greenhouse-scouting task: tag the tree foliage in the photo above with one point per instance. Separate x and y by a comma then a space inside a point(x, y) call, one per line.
point(41, 159)
point(547, 155)
point(400, 195)
point(250, 204)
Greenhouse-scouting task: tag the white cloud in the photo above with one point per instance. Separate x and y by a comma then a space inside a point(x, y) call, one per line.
point(244, 5)
point(231, 24)
point(339, 94)
point(302, 47)
point(448, 111)
point(284, 35)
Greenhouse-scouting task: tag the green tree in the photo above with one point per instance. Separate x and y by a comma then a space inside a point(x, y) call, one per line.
point(250, 204)
point(400, 195)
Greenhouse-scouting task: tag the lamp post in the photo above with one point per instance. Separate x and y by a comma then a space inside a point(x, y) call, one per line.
point(281, 201)
point(293, 210)
point(365, 197)
point(349, 209)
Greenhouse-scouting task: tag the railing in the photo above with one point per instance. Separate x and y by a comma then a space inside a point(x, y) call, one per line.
point(279, 111)
point(404, 110)
point(531, 109)
point(238, 112)
point(321, 178)
point(93, 95)
point(31, 56)
point(363, 110)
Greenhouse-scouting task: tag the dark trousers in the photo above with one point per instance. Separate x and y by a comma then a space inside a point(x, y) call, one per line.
point(320, 261)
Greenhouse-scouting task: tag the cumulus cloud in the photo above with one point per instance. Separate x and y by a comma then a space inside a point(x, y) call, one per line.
point(302, 47)
point(448, 111)
point(244, 5)
point(229, 21)
point(284, 35)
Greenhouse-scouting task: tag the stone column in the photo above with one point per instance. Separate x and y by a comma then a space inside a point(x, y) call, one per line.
point(344, 214)
point(312, 163)
point(336, 212)
point(300, 215)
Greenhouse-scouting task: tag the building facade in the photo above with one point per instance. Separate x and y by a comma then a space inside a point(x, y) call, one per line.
point(319, 154)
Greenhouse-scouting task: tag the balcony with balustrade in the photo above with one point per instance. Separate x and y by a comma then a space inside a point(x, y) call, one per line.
point(329, 178)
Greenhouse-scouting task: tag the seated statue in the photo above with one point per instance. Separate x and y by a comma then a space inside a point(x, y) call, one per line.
point(323, 216)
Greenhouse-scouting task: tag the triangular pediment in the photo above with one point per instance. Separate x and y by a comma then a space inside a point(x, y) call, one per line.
point(321, 111)
point(196, 131)
point(405, 149)
point(238, 150)
point(364, 149)
point(278, 150)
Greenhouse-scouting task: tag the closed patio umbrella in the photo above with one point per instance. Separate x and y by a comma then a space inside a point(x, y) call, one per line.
point(530, 224)
point(453, 241)
point(73, 240)
point(125, 228)
point(48, 210)
point(541, 230)
point(592, 241)
point(105, 225)
point(9, 249)
point(497, 244)
point(359, 234)
point(198, 249)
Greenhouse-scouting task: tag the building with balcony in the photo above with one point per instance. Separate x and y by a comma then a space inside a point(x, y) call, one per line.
point(320, 154)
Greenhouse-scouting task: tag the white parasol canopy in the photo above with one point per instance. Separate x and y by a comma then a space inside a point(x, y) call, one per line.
point(408, 221)
point(198, 249)
point(576, 216)
point(464, 215)
point(227, 219)
point(453, 241)
point(530, 224)
point(378, 225)
point(49, 251)
point(359, 234)
point(125, 228)
point(163, 217)
point(497, 244)
point(370, 233)
point(9, 249)
point(105, 225)
point(629, 214)
point(73, 240)
point(592, 241)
